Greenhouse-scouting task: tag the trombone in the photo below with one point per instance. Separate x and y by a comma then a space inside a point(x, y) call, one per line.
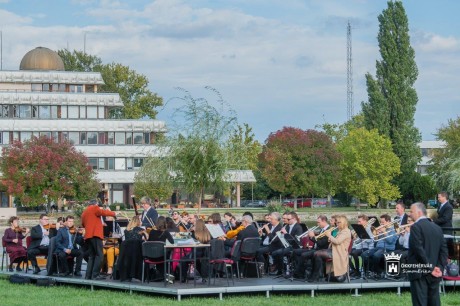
point(400, 230)
point(375, 231)
point(298, 237)
point(330, 230)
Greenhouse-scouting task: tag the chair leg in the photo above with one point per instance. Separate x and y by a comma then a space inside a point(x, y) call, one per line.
point(143, 271)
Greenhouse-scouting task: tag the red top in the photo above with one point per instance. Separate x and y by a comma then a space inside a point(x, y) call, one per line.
point(91, 221)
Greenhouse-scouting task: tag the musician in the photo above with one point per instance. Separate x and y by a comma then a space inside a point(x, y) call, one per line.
point(228, 218)
point(160, 234)
point(94, 234)
point(53, 230)
point(110, 251)
point(403, 240)
point(291, 228)
point(445, 212)
point(185, 224)
point(340, 245)
point(215, 218)
point(176, 218)
point(66, 245)
point(272, 245)
point(13, 239)
point(360, 246)
point(149, 214)
point(171, 226)
point(40, 241)
point(134, 231)
point(427, 247)
point(302, 256)
point(401, 215)
point(386, 236)
point(192, 221)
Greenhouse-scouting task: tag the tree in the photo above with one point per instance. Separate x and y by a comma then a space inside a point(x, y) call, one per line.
point(298, 162)
point(368, 166)
point(338, 131)
point(132, 87)
point(243, 149)
point(41, 171)
point(392, 97)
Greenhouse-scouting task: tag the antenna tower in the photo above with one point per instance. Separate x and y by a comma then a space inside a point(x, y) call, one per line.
point(349, 74)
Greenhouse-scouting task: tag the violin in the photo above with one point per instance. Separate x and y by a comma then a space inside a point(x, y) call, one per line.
point(20, 229)
point(50, 225)
point(78, 230)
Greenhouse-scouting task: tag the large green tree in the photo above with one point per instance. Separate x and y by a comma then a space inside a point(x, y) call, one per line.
point(41, 170)
point(298, 162)
point(243, 148)
point(392, 98)
point(138, 100)
point(368, 166)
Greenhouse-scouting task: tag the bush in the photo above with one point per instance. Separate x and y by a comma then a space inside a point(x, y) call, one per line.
point(78, 209)
point(113, 207)
point(273, 206)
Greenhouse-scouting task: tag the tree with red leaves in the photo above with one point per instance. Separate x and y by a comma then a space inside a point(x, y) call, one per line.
point(41, 170)
point(298, 162)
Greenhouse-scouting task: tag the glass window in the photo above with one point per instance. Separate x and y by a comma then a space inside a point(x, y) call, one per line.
point(100, 112)
point(63, 112)
point(15, 135)
point(89, 88)
point(82, 111)
point(129, 163)
point(46, 87)
point(73, 112)
point(138, 138)
point(15, 109)
point(101, 164)
point(54, 111)
point(110, 163)
point(120, 164)
point(64, 136)
point(55, 136)
point(129, 138)
point(91, 112)
point(6, 199)
point(47, 134)
point(34, 111)
point(138, 162)
point(61, 87)
point(117, 196)
point(71, 88)
point(111, 138)
point(55, 87)
point(93, 162)
point(44, 112)
point(25, 111)
point(26, 136)
point(92, 138)
point(79, 88)
point(119, 138)
point(102, 138)
point(5, 111)
point(36, 87)
point(5, 137)
point(147, 138)
point(82, 138)
point(74, 138)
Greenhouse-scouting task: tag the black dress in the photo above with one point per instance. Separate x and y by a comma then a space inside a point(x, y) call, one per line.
point(129, 263)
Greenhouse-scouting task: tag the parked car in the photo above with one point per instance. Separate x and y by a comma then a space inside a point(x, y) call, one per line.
point(301, 203)
point(256, 204)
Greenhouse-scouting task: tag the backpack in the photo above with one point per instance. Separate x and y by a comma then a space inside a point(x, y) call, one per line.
point(19, 279)
point(452, 269)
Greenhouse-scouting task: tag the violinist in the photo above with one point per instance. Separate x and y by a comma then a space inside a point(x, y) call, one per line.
point(40, 235)
point(13, 239)
point(228, 218)
point(67, 249)
point(149, 214)
point(161, 234)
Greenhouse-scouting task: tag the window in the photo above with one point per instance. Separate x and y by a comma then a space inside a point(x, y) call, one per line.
point(44, 112)
point(92, 138)
point(100, 112)
point(36, 87)
point(138, 138)
point(111, 138)
point(5, 199)
point(89, 88)
point(91, 112)
point(138, 162)
point(82, 111)
point(54, 111)
point(78, 88)
point(93, 162)
point(15, 111)
point(83, 138)
point(46, 87)
point(64, 112)
point(64, 136)
point(5, 137)
point(129, 163)
point(74, 138)
point(147, 138)
point(73, 112)
point(119, 138)
point(71, 88)
point(120, 164)
point(110, 163)
point(34, 111)
point(26, 136)
point(101, 163)
point(55, 136)
point(129, 138)
point(61, 88)
point(55, 87)
point(25, 111)
point(5, 111)
point(15, 135)
point(46, 134)
point(102, 138)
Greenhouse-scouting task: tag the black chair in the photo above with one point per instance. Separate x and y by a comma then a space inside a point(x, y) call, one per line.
point(153, 254)
point(248, 252)
point(218, 262)
point(4, 255)
point(235, 255)
point(51, 267)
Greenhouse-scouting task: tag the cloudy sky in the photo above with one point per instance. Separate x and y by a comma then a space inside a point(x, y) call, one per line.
point(275, 62)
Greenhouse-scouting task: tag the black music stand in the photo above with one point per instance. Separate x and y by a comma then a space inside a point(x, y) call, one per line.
point(376, 223)
point(292, 241)
point(360, 231)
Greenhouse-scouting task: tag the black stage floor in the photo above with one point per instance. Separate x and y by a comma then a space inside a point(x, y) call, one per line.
point(264, 285)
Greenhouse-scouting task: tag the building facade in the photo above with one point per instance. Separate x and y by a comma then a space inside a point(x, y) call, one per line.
point(43, 99)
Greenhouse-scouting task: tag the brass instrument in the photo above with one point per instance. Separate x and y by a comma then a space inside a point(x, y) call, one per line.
point(394, 223)
point(400, 230)
point(298, 237)
point(329, 230)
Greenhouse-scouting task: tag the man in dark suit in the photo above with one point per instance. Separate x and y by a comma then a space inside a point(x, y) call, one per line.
point(66, 245)
point(445, 212)
point(273, 244)
point(401, 215)
point(150, 214)
point(40, 242)
point(428, 248)
point(250, 231)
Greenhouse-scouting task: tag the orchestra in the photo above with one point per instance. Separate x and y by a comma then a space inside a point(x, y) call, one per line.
point(285, 248)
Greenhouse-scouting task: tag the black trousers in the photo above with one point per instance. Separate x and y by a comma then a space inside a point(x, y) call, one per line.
point(33, 253)
point(95, 257)
point(66, 264)
point(425, 291)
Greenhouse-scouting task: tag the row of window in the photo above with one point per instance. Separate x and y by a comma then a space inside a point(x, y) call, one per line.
point(84, 138)
point(28, 111)
point(63, 87)
point(115, 163)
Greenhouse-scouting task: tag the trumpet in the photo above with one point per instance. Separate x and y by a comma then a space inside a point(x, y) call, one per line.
point(298, 237)
point(330, 230)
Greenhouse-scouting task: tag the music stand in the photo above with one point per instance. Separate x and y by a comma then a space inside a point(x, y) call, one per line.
point(292, 241)
point(376, 223)
point(360, 231)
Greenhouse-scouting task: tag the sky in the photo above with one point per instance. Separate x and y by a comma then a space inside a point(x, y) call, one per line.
point(276, 63)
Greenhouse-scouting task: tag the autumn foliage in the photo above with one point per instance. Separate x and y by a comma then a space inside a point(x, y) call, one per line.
point(40, 170)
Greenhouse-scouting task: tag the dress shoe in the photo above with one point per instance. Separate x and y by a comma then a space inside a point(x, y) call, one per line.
point(18, 269)
point(275, 273)
point(68, 273)
point(36, 270)
point(77, 273)
point(11, 269)
point(99, 277)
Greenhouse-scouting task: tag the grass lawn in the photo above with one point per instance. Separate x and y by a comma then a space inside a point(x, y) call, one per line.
point(11, 294)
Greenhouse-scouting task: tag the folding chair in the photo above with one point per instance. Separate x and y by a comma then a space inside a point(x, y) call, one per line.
point(151, 252)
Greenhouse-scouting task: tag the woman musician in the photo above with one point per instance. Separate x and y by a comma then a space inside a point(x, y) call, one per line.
point(13, 240)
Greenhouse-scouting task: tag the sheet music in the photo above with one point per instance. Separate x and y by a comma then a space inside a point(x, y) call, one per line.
point(215, 230)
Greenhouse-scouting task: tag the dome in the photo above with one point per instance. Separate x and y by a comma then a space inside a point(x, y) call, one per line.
point(41, 58)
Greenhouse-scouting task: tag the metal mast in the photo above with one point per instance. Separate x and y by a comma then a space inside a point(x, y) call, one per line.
point(349, 74)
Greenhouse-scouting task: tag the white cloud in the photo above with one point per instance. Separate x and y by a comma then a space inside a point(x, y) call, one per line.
point(437, 43)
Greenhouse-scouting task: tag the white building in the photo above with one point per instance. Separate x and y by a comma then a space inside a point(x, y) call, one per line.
point(43, 99)
point(428, 147)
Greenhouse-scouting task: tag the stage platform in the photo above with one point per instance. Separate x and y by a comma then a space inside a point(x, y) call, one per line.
point(265, 285)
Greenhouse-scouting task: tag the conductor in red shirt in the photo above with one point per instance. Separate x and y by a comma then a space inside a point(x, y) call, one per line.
point(94, 234)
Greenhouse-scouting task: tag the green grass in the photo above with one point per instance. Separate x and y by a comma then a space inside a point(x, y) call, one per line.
point(11, 295)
